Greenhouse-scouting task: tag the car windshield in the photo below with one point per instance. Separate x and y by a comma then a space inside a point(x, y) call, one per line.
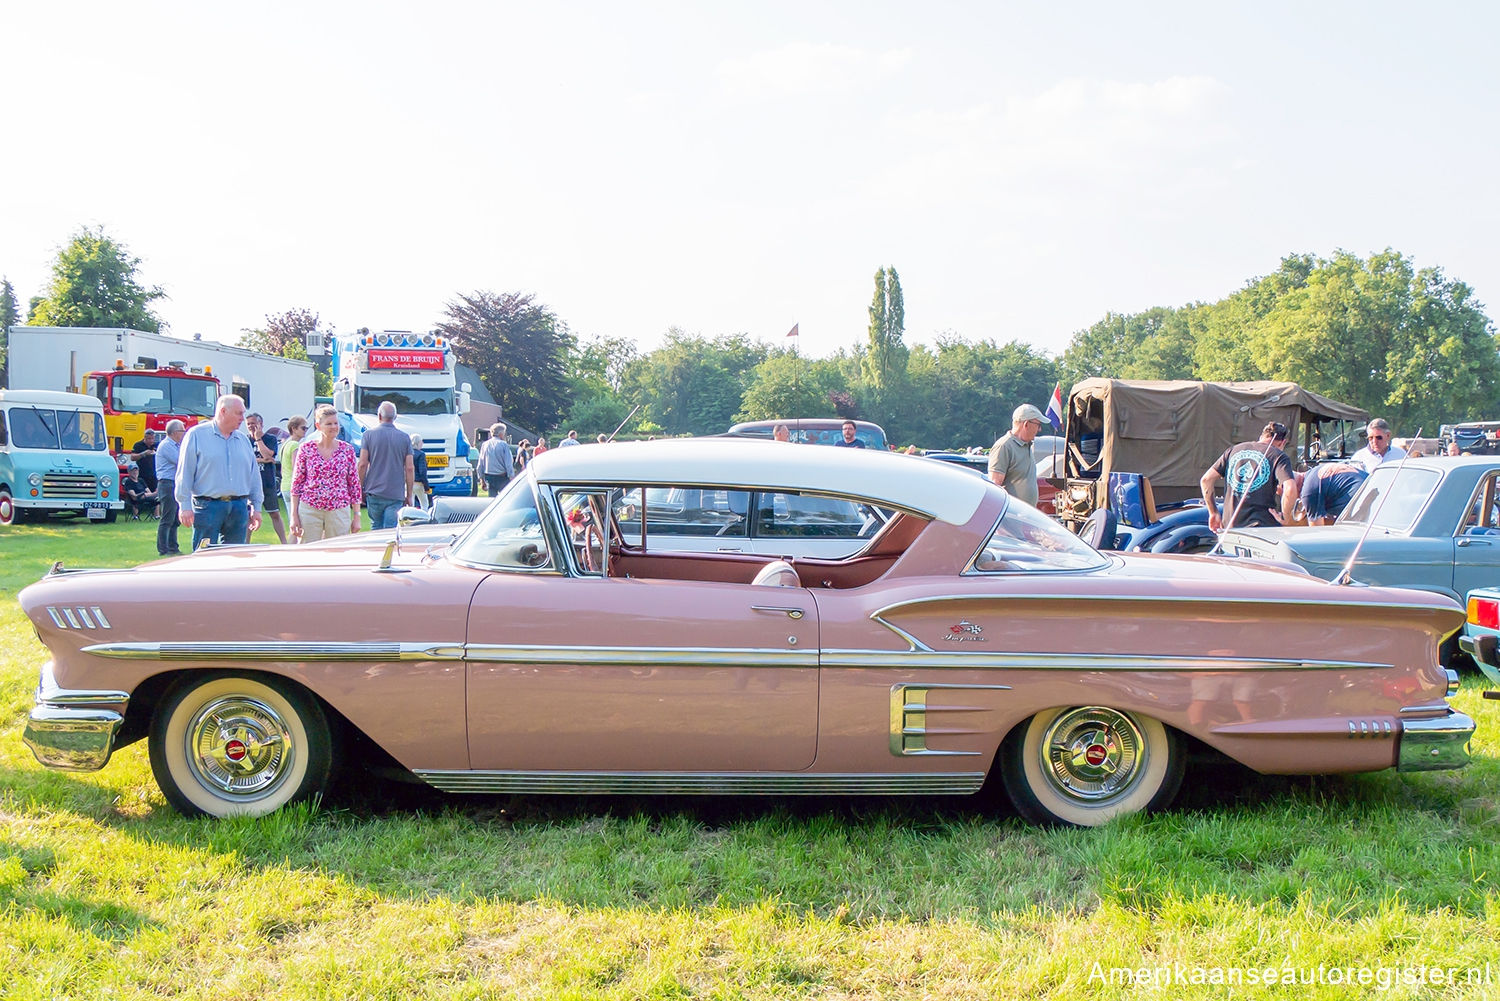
point(509, 533)
point(44, 427)
point(1026, 539)
point(1391, 498)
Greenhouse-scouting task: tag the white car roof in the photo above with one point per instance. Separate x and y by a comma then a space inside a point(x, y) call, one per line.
point(51, 398)
point(934, 489)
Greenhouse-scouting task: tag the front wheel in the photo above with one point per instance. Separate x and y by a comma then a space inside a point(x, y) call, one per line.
point(1084, 765)
point(224, 745)
point(9, 513)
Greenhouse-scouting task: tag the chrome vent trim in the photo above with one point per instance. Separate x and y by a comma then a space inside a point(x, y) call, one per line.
point(1370, 728)
point(910, 727)
point(706, 783)
point(78, 617)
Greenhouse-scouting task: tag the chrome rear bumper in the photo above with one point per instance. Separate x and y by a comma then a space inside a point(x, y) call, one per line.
point(1429, 745)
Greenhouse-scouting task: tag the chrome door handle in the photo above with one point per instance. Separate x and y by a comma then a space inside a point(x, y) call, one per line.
point(791, 613)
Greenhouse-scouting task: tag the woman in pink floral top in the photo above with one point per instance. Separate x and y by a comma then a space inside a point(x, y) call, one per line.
point(325, 485)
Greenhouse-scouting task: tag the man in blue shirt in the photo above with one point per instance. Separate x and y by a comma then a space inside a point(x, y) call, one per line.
point(1328, 489)
point(166, 487)
point(218, 483)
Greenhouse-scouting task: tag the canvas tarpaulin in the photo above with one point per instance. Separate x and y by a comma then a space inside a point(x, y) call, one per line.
point(1171, 431)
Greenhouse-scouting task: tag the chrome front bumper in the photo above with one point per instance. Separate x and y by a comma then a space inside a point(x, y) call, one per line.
point(73, 730)
point(1429, 745)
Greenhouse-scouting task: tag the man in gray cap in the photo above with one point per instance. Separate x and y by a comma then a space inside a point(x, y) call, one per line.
point(1012, 463)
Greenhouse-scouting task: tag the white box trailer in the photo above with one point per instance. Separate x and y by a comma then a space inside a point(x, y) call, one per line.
point(58, 358)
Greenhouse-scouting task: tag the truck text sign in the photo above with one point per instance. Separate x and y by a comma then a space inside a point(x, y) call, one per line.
point(404, 358)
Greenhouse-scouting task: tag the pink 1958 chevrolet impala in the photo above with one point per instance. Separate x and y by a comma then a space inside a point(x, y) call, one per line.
point(551, 648)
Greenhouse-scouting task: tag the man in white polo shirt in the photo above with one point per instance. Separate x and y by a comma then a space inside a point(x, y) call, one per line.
point(1380, 449)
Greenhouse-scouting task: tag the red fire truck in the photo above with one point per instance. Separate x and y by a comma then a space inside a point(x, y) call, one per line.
point(136, 399)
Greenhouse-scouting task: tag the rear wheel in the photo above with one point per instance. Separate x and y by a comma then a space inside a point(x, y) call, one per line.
point(1083, 765)
point(225, 745)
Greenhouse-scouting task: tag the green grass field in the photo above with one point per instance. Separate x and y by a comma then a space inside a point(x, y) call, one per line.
point(387, 893)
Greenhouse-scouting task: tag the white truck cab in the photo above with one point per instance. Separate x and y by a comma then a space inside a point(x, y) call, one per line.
point(415, 371)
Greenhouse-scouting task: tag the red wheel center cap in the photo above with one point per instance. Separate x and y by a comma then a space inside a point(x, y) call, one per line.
point(1095, 754)
point(235, 750)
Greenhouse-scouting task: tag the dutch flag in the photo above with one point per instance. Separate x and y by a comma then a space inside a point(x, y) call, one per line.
point(1054, 407)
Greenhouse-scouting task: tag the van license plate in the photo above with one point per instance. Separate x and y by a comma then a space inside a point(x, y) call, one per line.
point(97, 512)
point(437, 461)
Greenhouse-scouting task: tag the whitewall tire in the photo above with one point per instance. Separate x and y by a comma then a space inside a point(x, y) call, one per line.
point(1084, 765)
point(231, 745)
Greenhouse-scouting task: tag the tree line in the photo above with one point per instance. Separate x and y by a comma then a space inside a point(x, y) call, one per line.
point(1412, 345)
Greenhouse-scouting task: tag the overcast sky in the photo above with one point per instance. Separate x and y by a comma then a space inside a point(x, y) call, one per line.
point(730, 168)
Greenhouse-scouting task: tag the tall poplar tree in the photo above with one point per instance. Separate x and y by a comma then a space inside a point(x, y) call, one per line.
point(885, 356)
point(10, 315)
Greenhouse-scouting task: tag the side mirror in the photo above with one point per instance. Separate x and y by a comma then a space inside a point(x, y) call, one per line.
point(461, 404)
point(343, 399)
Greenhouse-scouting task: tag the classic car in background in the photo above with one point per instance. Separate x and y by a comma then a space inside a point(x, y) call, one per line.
point(1429, 524)
point(1481, 636)
point(813, 431)
point(554, 647)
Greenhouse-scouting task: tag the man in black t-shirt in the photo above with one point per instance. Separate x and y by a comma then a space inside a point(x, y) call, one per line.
point(1257, 475)
point(143, 454)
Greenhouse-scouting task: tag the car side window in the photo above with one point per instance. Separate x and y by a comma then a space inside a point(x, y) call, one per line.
point(695, 511)
point(586, 514)
point(812, 516)
point(1483, 515)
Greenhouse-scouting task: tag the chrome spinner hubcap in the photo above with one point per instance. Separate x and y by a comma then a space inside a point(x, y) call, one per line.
point(239, 746)
point(1092, 753)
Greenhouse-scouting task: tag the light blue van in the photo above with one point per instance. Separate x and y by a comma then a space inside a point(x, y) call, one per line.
point(54, 456)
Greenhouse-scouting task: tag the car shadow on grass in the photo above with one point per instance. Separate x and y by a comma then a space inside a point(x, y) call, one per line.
point(1350, 845)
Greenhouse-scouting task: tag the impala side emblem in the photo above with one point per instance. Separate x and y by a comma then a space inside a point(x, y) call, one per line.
point(965, 632)
point(79, 617)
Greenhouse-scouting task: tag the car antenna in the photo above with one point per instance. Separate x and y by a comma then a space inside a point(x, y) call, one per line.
point(623, 423)
point(1346, 575)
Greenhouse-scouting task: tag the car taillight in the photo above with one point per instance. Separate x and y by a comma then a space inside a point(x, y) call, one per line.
point(1485, 612)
